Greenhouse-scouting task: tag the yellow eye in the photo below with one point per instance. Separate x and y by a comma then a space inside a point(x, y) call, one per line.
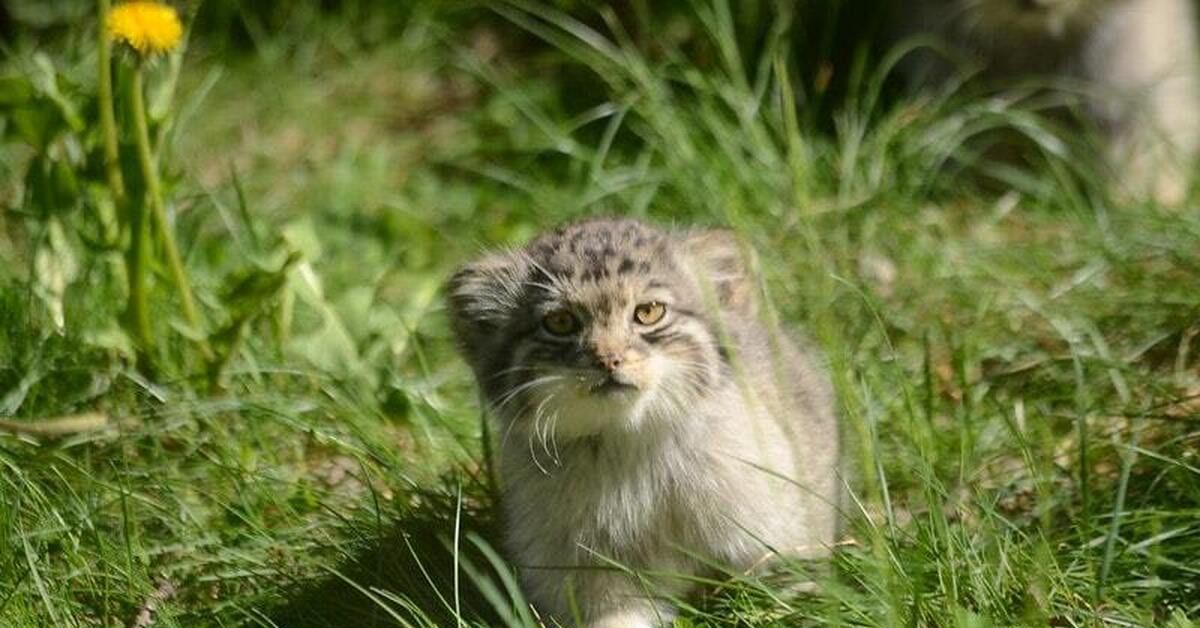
point(560, 323)
point(649, 313)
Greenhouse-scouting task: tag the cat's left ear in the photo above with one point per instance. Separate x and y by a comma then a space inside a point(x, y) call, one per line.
point(483, 295)
point(721, 262)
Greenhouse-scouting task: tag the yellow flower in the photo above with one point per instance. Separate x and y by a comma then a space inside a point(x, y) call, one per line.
point(148, 27)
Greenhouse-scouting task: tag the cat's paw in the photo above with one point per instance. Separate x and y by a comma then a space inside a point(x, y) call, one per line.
point(631, 618)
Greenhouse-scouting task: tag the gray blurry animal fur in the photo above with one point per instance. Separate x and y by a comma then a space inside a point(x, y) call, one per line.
point(702, 435)
point(1138, 57)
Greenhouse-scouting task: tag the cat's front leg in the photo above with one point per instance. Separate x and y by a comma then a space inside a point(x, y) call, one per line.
point(592, 597)
point(645, 616)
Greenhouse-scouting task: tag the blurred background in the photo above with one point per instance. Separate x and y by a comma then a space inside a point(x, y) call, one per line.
point(1014, 349)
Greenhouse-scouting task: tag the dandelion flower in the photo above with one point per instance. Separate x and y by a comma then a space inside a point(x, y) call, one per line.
point(148, 27)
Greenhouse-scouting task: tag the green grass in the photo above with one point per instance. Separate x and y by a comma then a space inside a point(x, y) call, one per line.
point(1015, 353)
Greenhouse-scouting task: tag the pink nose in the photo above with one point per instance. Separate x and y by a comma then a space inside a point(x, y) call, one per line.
point(609, 361)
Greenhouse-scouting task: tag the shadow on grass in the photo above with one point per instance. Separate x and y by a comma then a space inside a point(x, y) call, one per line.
point(406, 575)
point(401, 572)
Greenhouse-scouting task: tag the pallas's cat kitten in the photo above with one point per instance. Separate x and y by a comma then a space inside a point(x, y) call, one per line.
point(1139, 58)
point(647, 418)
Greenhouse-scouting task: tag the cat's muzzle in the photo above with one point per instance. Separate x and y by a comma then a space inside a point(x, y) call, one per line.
point(613, 383)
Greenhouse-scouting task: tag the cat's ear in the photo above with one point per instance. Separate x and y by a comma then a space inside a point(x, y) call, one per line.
point(482, 295)
point(721, 263)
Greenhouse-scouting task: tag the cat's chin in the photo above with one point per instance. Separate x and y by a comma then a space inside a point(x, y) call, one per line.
point(575, 412)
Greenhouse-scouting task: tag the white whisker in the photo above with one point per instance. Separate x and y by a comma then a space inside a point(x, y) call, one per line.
point(543, 432)
point(513, 392)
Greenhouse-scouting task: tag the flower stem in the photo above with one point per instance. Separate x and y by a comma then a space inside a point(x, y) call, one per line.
point(137, 257)
point(158, 212)
point(108, 120)
point(137, 263)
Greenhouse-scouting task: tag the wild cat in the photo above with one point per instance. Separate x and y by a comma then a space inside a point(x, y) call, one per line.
point(1138, 58)
point(648, 420)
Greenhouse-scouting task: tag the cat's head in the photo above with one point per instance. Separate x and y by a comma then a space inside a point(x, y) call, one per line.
point(1015, 20)
point(600, 325)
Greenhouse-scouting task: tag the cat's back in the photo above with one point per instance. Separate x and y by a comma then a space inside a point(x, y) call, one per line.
point(778, 442)
point(782, 369)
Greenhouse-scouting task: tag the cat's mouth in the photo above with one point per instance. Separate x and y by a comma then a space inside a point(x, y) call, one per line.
point(613, 384)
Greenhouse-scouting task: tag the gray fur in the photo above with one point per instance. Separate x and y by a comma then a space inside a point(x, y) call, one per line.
point(723, 445)
point(1138, 56)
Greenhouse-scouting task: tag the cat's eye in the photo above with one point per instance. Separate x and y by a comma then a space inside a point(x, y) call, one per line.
point(649, 313)
point(560, 322)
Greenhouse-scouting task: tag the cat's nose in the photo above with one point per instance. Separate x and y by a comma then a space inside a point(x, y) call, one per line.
point(609, 361)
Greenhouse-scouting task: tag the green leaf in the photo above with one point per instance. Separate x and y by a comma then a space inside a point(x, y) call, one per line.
point(51, 186)
point(330, 347)
point(15, 90)
point(47, 83)
point(249, 292)
point(36, 124)
point(63, 184)
point(55, 267)
point(111, 337)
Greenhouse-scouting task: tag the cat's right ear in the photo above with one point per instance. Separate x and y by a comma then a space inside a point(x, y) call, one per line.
point(483, 294)
point(718, 258)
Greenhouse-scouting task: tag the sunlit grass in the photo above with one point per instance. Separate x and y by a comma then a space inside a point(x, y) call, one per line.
point(1015, 361)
